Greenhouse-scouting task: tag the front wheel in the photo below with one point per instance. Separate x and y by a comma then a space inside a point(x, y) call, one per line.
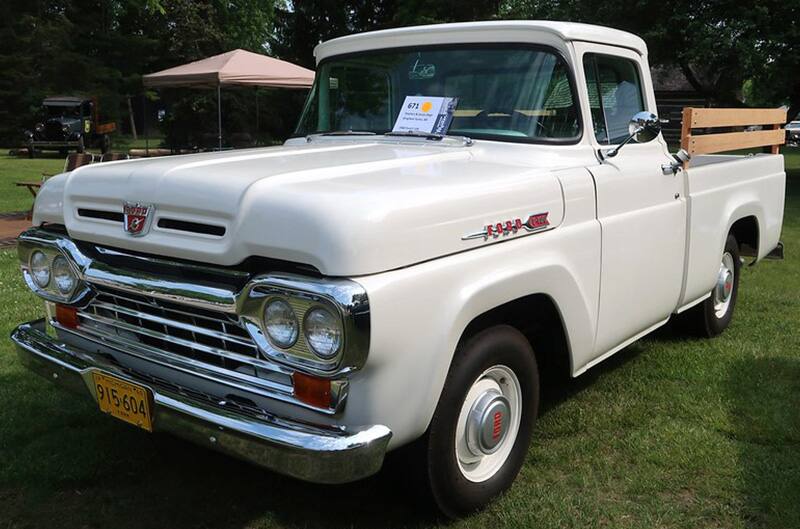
point(714, 315)
point(482, 426)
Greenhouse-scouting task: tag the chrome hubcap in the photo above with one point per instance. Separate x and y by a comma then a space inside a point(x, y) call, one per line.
point(724, 287)
point(488, 423)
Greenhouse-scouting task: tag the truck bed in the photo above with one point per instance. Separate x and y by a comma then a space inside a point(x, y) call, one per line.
point(729, 187)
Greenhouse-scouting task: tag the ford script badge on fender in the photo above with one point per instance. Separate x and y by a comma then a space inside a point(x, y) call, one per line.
point(137, 217)
point(534, 222)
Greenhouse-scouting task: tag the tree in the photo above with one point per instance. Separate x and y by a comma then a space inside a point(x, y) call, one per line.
point(718, 44)
point(304, 24)
point(102, 47)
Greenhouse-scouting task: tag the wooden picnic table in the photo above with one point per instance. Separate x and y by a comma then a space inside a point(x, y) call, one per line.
point(33, 187)
point(74, 161)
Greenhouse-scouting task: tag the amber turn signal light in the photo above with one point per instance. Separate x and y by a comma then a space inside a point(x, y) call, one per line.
point(312, 390)
point(67, 316)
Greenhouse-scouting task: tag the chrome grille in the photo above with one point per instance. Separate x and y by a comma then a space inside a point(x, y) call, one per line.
point(214, 339)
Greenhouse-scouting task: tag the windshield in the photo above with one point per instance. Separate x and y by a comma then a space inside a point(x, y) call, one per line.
point(511, 93)
point(58, 111)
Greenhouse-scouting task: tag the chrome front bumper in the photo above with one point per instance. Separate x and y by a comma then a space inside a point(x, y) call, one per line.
point(311, 453)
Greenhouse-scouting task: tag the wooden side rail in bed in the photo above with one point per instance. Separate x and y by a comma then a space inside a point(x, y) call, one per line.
point(710, 118)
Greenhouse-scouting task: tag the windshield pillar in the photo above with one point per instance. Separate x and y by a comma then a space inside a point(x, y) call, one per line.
point(323, 114)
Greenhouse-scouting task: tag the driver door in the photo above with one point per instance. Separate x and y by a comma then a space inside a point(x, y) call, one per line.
point(642, 212)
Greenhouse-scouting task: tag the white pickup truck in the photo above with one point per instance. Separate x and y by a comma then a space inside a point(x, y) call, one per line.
point(312, 306)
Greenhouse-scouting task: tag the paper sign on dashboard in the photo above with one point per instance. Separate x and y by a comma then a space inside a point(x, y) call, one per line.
point(426, 115)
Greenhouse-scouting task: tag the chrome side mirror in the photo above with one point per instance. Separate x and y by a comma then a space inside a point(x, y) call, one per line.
point(643, 127)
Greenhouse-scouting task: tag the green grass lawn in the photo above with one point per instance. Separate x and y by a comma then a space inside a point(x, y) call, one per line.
point(14, 169)
point(670, 432)
point(22, 169)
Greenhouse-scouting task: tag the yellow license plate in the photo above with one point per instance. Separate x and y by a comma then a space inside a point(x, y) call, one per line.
point(123, 400)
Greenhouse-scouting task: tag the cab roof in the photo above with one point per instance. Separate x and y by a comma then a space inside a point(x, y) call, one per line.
point(63, 101)
point(472, 32)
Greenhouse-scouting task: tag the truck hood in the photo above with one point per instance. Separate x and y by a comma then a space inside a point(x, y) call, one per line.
point(347, 208)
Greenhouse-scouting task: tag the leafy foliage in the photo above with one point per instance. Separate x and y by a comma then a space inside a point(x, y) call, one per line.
point(102, 47)
point(304, 24)
point(718, 44)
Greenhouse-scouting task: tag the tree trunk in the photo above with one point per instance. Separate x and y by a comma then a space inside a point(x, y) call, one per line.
point(695, 82)
point(794, 105)
point(133, 121)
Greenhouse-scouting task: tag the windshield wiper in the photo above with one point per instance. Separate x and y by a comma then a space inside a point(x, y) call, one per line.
point(413, 134)
point(345, 133)
point(466, 140)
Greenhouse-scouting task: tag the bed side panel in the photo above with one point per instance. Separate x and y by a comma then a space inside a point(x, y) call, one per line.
point(722, 190)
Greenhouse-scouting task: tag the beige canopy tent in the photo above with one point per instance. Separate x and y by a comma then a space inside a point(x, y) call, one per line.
point(237, 67)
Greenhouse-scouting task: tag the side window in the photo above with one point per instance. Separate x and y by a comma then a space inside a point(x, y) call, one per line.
point(615, 95)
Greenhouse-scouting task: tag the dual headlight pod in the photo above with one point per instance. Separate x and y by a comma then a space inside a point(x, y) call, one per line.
point(322, 331)
point(319, 326)
point(52, 274)
point(49, 273)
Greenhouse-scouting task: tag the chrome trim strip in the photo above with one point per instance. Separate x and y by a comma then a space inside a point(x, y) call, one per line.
point(193, 294)
point(233, 274)
point(316, 454)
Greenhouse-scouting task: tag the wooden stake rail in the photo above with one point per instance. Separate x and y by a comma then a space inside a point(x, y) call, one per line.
point(706, 118)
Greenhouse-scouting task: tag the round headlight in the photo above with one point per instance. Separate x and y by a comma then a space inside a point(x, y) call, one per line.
point(63, 276)
point(323, 332)
point(281, 323)
point(40, 269)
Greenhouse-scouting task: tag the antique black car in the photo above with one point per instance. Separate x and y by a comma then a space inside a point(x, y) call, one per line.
point(69, 123)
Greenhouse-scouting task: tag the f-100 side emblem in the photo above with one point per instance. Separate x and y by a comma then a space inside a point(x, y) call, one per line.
point(137, 218)
point(535, 222)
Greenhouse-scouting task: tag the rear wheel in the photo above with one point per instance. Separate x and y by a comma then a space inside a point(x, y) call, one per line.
point(482, 427)
point(713, 316)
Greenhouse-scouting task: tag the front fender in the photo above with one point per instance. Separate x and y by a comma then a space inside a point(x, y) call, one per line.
point(418, 315)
